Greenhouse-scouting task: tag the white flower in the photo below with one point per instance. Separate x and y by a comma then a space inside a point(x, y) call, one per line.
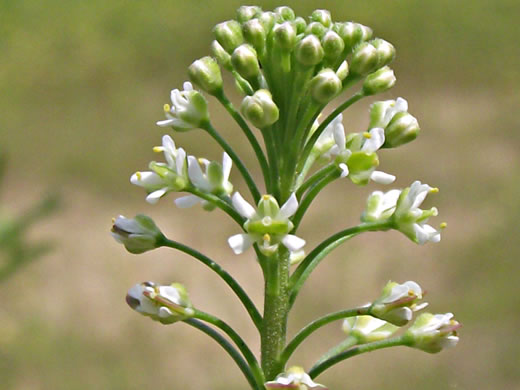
point(326, 143)
point(164, 177)
point(188, 110)
point(432, 333)
point(366, 329)
point(410, 219)
point(294, 378)
point(380, 205)
point(215, 180)
point(138, 235)
point(381, 113)
point(398, 302)
point(268, 225)
point(166, 304)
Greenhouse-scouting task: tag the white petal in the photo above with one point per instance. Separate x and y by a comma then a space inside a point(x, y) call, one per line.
point(242, 206)
point(179, 161)
point(376, 140)
point(196, 176)
point(382, 178)
point(339, 136)
point(293, 243)
point(227, 163)
point(425, 233)
point(165, 123)
point(239, 243)
point(344, 170)
point(187, 86)
point(146, 178)
point(401, 105)
point(164, 312)
point(414, 287)
point(169, 150)
point(185, 202)
point(154, 197)
point(289, 207)
point(170, 293)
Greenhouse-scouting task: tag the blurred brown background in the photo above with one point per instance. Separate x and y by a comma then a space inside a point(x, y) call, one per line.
point(82, 84)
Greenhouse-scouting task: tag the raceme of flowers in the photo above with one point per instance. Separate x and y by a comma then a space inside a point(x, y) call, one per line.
point(289, 71)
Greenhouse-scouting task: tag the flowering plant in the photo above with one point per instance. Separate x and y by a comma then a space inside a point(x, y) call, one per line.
point(288, 70)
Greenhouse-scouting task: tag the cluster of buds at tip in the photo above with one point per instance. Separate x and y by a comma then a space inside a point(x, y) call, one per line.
point(401, 209)
point(366, 329)
point(398, 302)
point(166, 304)
point(294, 378)
point(189, 109)
point(433, 332)
point(260, 109)
point(268, 226)
point(138, 235)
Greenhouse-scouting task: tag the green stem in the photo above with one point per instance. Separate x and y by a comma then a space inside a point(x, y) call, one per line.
point(317, 369)
point(313, 192)
point(314, 326)
point(240, 165)
point(239, 342)
point(312, 260)
point(249, 134)
point(228, 279)
point(229, 349)
point(342, 346)
point(276, 309)
point(219, 202)
point(315, 178)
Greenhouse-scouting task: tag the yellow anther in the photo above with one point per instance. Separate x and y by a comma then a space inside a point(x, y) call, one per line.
point(138, 175)
point(443, 225)
point(166, 108)
point(367, 135)
point(266, 197)
point(158, 149)
point(201, 161)
point(434, 190)
point(267, 237)
point(113, 221)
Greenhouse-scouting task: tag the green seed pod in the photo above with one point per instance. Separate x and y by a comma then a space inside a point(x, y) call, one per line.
point(285, 35)
point(309, 51)
point(285, 13)
point(364, 60)
point(254, 33)
point(333, 45)
point(321, 16)
point(379, 81)
point(245, 61)
point(246, 12)
point(325, 86)
point(206, 74)
point(229, 35)
point(403, 128)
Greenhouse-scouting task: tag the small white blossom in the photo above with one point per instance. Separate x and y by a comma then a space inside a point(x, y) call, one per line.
point(366, 329)
point(215, 180)
point(164, 177)
point(268, 225)
point(166, 304)
point(398, 302)
point(380, 205)
point(138, 235)
point(432, 333)
point(294, 378)
point(188, 110)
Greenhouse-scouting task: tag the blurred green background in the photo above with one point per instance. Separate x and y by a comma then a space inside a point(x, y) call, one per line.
point(81, 86)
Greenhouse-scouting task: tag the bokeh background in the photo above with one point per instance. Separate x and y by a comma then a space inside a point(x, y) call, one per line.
point(81, 86)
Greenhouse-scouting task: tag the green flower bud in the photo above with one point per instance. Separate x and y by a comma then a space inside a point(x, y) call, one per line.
point(385, 51)
point(247, 12)
point(309, 51)
point(316, 28)
point(402, 129)
point(352, 33)
point(285, 13)
point(300, 24)
point(222, 56)
point(245, 61)
point(432, 333)
point(268, 20)
point(206, 74)
point(285, 35)
point(229, 35)
point(379, 81)
point(343, 70)
point(325, 86)
point(138, 235)
point(333, 45)
point(364, 60)
point(260, 109)
point(321, 16)
point(254, 34)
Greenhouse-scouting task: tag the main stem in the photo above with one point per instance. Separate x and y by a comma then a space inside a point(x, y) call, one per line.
point(276, 307)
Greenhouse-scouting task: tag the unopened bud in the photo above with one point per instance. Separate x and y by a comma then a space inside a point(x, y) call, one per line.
point(325, 86)
point(385, 51)
point(403, 128)
point(205, 73)
point(222, 56)
point(300, 24)
point(316, 28)
point(285, 13)
point(267, 19)
point(343, 70)
point(247, 12)
point(229, 35)
point(333, 45)
point(260, 109)
point(352, 33)
point(285, 35)
point(309, 51)
point(322, 16)
point(254, 34)
point(364, 59)
point(138, 235)
point(245, 61)
point(379, 81)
